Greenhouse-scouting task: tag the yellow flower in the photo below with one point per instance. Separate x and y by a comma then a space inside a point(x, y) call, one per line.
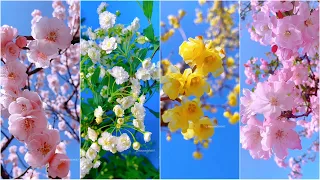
point(197, 155)
point(189, 134)
point(202, 2)
point(204, 128)
point(175, 119)
point(173, 82)
point(210, 61)
point(181, 13)
point(236, 89)
point(227, 114)
point(192, 49)
point(235, 118)
point(232, 99)
point(230, 62)
point(174, 21)
point(191, 109)
point(196, 84)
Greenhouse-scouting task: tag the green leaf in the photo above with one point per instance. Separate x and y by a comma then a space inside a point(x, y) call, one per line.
point(156, 114)
point(95, 76)
point(149, 32)
point(147, 9)
point(86, 108)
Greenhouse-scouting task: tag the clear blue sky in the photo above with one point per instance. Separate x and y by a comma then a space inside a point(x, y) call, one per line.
point(130, 10)
point(251, 168)
point(221, 159)
point(18, 15)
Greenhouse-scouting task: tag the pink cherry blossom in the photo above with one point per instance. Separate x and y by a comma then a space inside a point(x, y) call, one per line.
point(41, 147)
point(271, 98)
point(38, 55)
point(9, 93)
point(12, 51)
point(8, 33)
point(250, 138)
point(53, 32)
point(59, 166)
point(21, 41)
point(13, 73)
point(287, 34)
point(280, 136)
point(22, 126)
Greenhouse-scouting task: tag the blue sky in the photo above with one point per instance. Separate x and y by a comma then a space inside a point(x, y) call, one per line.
point(130, 10)
point(18, 15)
point(251, 168)
point(221, 159)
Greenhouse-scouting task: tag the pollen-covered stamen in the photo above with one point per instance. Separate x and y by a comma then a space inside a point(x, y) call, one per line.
point(280, 134)
point(209, 60)
point(192, 108)
point(287, 33)
point(274, 101)
point(42, 56)
point(308, 22)
point(28, 124)
point(12, 75)
point(195, 81)
point(52, 36)
point(44, 149)
point(23, 107)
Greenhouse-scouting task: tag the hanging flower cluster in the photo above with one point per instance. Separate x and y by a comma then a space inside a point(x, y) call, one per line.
point(190, 87)
point(285, 88)
point(117, 69)
point(21, 101)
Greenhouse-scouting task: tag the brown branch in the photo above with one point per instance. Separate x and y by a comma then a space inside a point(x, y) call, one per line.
point(7, 143)
point(19, 177)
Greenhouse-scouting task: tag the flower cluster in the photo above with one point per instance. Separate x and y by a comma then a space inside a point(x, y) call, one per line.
point(27, 120)
point(122, 80)
point(23, 101)
point(286, 88)
point(188, 86)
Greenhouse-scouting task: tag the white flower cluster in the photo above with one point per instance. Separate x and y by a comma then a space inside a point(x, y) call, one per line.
point(107, 20)
point(119, 74)
point(134, 26)
point(92, 49)
point(108, 142)
point(148, 71)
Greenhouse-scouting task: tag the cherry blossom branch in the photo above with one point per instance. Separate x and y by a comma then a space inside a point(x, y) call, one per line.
point(7, 143)
point(19, 177)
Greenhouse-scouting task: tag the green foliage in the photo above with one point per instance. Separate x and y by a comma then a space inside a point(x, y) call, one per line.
point(147, 9)
point(120, 166)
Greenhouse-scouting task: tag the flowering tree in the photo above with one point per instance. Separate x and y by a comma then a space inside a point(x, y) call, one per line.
point(40, 91)
point(191, 86)
point(118, 74)
point(282, 108)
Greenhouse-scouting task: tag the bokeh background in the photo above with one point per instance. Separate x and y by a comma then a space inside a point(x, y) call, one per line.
point(18, 15)
point(221, 159)
point(266, 169)
point(129, 10)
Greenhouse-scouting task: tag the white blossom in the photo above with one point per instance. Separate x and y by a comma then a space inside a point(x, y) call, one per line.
point(123, 142)
point(107, 20)
point(92, 135)
point(94, 54)
point(109, 44)
point(98, 112)
point(118, 111)
point(108, 142)
point(119, 74)
point(147, 136)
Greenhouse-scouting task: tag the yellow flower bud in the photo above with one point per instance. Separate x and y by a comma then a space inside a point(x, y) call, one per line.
point(197, 155)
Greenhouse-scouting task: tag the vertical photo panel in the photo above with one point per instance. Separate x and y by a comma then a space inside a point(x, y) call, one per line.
point(199, 89)
point(279, 100)
point(120, 74)
point(39, 79)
